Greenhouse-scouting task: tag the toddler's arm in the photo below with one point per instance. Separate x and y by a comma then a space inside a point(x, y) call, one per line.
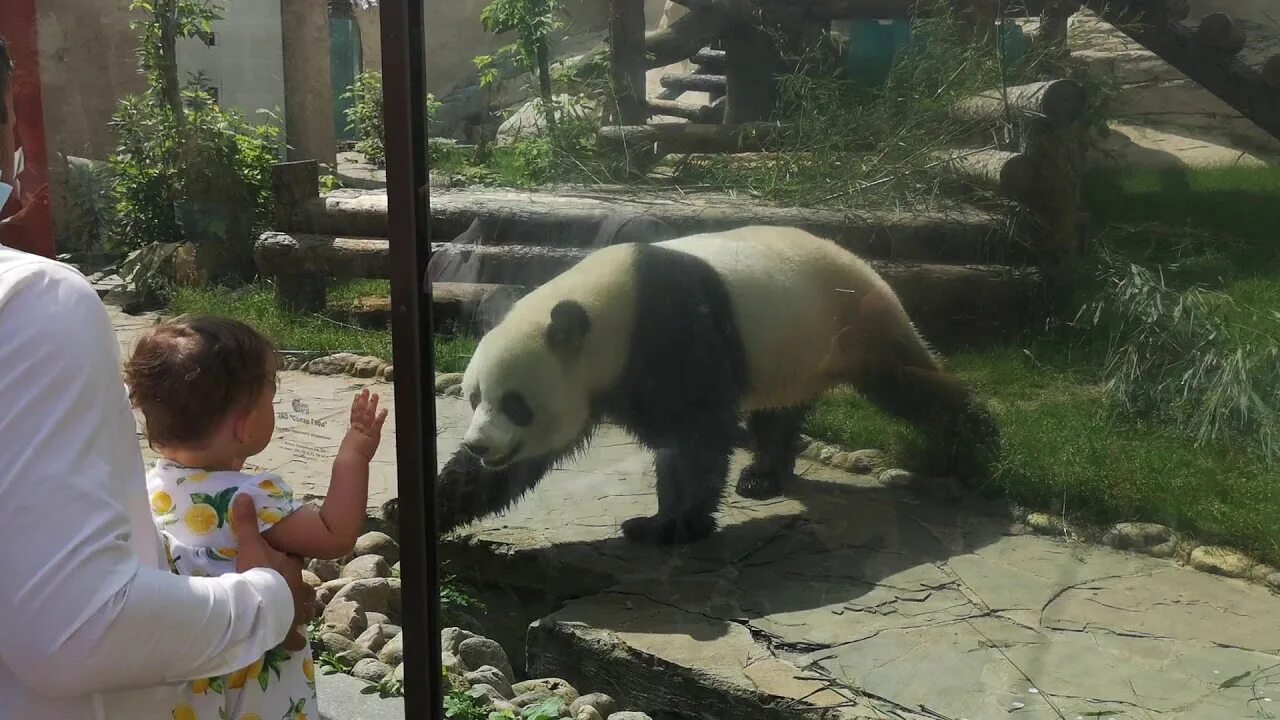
point(331, 532)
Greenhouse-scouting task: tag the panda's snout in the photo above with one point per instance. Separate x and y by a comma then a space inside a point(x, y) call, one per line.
point(479, 450)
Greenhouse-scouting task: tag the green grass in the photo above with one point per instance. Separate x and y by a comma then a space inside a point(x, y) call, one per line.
point(327, 333)
point(1070, 446)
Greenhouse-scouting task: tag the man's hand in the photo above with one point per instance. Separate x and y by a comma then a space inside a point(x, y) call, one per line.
point(254, 552)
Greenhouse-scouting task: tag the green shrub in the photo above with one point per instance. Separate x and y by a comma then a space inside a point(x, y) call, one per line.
point(365, 117)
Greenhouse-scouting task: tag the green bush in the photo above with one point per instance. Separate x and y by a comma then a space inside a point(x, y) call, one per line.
point(365, 117)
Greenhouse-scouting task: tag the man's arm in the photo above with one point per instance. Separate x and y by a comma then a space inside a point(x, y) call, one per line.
point(82, 612)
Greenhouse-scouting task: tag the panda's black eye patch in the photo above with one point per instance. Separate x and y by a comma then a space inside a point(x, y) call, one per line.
point(516, 409)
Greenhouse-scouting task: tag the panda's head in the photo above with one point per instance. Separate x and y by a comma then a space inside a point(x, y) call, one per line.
point(526, 397)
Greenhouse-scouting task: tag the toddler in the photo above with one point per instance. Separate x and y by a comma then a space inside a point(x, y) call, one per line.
point(205, 387)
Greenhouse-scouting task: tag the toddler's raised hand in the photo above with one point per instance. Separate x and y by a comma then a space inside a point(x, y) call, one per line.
point(365, 431)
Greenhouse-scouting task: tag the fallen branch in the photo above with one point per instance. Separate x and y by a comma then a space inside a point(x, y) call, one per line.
point(1011, 174)
point(683, 138)
point(1059, 102)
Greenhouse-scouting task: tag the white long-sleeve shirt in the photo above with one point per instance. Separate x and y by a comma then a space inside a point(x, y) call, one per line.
point(92, 625)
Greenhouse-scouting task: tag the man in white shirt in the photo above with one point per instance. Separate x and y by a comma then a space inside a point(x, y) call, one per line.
point(92, 624)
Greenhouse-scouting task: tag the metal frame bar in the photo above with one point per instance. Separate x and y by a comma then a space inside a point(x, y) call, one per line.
point(408, 209)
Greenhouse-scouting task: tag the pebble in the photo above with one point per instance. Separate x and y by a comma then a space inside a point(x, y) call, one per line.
point(478, 652)
point(601, 703)
point(371, 670)
point(392, 653)
point(344, 617)
point(366, 567)
point(380, 544)
point(493, 677)
point(326, 570)
point(1221, 561)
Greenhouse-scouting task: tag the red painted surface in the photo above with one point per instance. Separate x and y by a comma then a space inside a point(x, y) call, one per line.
point(29, 222)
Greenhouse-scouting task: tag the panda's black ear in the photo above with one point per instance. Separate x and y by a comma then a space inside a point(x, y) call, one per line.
point(569, 326)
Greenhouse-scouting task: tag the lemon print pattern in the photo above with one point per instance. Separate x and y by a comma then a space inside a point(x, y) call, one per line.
point(192, 508)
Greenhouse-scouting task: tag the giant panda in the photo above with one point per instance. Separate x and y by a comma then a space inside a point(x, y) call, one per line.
point(675, 341)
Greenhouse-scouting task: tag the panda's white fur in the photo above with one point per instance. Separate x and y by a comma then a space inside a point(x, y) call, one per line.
point(798, 313)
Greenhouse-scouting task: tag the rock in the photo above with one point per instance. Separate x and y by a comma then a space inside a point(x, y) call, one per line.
point(395, 570)
point(326, 570)
point(1045, 524)
point(387, 374)
point(603, 704)
point(371, 670)
point(552, 686)
point(1221, 561)
point(826, 454)
point(587, 713)
point(452, 637)
point(842, 461)
point(366, 567)
point(336, 364)
point(530, 120)
point(454, 664)
point(1259, 573)
point(376, 618)
point(477, 652)
point(344, 617)
point(376, 636)
point(311, 579)
point(398, 673)
point(481, 690)
point(328, 590)
point(392, 653)
point(493, 677)
point(867, 462)
point(376, 595)
point(455, 391)
point(629, 716)
point(380, 544)
point(366, 367)
point(1273, 581)
point(444, 381)
point(1137, 535)
point(504, 706)
point(389, 513)
point(344, 648)
point(1164, 549)
point(532, 697)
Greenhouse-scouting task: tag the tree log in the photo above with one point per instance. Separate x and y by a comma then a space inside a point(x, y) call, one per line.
point(683, 38)
point(278, 253)
point(1219, 33)
point(1271, 72)
point(693, 83)
point(1059, 102)
point(1011, 174)
point(292, 185)
point(680, 138)
point(712, 113)
point(627, 56)
point(713, 60)
point(1234, 82)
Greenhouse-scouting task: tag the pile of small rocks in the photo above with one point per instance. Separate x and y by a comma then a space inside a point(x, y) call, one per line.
point(359, 628)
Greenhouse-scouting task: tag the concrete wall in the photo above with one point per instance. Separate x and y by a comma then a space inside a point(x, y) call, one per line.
point(246, 62)
point(87, 62)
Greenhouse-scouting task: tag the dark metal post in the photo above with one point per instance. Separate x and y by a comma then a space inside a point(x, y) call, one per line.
point(404, 95)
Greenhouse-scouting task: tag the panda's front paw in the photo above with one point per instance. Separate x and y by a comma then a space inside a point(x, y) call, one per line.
point(666, 530)
point(756, 483)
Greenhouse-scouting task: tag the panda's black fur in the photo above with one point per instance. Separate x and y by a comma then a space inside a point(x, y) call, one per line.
point(679, 396)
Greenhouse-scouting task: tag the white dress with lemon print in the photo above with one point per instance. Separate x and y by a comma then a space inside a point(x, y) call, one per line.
point(192, 509)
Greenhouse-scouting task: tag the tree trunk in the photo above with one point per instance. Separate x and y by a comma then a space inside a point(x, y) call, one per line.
point(628, 46)
point(544, 87)
point(751, 62)
point(166, 14)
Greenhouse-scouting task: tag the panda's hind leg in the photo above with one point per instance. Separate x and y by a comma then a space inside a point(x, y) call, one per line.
point(774, 436)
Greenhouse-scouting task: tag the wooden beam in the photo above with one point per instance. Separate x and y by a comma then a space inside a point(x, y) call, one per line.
point(1220, 34)
point(1009, 173)
point(683, 38)
point(1234, 82)
point(627, 54)
point(711, 59)
point(682, 138)
point(1059, 102)
point(693, 83)
point(712, 113)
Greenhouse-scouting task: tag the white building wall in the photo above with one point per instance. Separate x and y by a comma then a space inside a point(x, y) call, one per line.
point(246, 63)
